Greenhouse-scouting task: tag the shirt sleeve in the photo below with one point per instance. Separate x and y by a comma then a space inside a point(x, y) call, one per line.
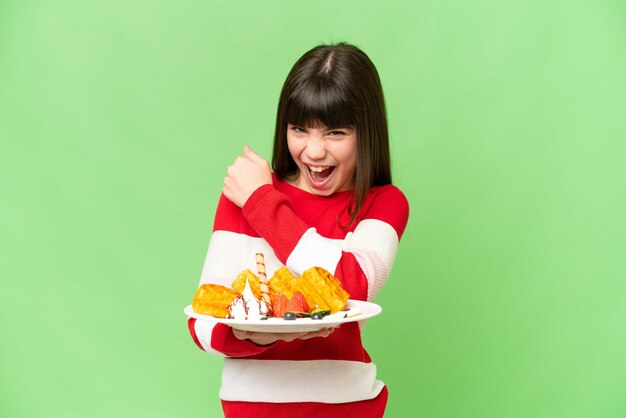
point(362, 261)
point(219, 339)
point(221, 266)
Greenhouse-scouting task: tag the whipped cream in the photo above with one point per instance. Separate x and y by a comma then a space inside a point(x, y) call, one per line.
point(247, 307)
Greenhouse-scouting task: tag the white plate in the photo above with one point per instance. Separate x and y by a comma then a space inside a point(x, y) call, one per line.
point(366, 309)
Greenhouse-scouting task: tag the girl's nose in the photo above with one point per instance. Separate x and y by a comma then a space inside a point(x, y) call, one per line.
point(315, 149)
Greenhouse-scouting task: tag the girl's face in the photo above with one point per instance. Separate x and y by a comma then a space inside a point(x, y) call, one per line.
point(326, 158)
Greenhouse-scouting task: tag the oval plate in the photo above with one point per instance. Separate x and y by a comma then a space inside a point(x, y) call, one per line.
point(366, 309)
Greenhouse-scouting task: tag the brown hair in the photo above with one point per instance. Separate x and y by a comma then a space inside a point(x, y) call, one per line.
point(337, 86)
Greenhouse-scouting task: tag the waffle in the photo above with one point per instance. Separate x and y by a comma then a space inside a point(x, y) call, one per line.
point(213, 299)
point(240, 283)
point(321, 289)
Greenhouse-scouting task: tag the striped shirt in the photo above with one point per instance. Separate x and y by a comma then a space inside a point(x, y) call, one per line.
point(321, 376)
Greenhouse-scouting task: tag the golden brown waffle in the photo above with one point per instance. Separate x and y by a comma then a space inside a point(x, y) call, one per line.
point(213, 299)
point(283, 282)
point(321, 288)
point(240, 283)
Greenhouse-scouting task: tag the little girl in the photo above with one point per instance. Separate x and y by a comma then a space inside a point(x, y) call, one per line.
point(327, 200)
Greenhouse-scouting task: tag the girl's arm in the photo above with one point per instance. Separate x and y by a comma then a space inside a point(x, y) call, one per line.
point(364, 260)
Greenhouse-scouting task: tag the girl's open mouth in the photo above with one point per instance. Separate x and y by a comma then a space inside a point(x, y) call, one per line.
point(320, 175)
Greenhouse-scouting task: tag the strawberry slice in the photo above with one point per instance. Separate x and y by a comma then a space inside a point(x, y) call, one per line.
point(279, 306)
point(297, 303)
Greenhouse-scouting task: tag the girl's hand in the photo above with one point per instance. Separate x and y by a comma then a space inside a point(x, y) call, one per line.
point(249, 172)
point(265, 338)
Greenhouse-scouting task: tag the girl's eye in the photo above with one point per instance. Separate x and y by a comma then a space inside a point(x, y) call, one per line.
point(297, 129)
point(336, 133)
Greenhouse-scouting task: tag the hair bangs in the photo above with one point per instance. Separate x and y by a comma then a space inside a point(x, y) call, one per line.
point(320, 104)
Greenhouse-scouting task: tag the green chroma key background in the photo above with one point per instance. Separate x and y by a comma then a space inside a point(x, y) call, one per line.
point(117, 122)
